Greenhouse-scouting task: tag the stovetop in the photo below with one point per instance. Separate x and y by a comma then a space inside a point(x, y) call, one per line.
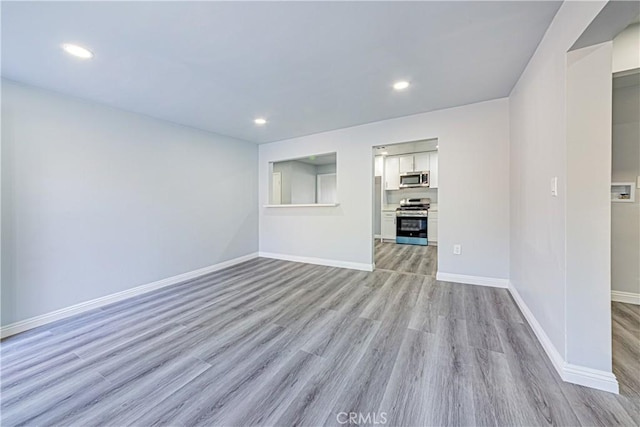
point(414, 204)
point(412, 212)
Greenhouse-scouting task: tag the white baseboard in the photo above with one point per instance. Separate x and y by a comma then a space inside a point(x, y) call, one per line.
point(53, 316)
point(581, 375)
point(472, 280)
point(552, 352)
point(594, 378)
point(628, 297)
point(319, 261)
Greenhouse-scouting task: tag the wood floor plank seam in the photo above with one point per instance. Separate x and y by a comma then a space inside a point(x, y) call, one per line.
point(272, 342)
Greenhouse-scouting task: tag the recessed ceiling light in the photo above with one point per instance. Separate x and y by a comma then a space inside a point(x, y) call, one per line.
point(79, 51)
point(260, 121)
point(401, 85)
point(384, 153)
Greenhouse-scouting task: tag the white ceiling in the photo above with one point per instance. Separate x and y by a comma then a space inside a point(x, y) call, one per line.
point(305, 66)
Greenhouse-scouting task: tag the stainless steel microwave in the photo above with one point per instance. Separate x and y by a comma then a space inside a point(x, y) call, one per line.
point(414, 179)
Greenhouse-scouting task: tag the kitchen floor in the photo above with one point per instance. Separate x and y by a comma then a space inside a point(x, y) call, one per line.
point(406, 258)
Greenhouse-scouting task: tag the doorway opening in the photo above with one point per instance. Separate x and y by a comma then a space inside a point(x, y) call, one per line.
point(405, 207)
point(625, 231)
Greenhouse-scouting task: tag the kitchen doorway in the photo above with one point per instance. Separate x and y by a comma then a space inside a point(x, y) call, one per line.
point(405, 212)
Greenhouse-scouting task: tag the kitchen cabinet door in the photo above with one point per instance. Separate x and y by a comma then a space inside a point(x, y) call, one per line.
point(388, 228)
point(432, 228)
point(433, 169)
point(391, 173)
point(422, 162)
point(406, 164)
point(379, 161)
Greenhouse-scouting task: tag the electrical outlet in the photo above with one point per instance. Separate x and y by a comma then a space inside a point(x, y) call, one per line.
point(457, 249)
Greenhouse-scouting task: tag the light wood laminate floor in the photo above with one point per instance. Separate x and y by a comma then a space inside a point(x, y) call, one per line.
point(626, 350)
point(413, 259)
point(279, 343)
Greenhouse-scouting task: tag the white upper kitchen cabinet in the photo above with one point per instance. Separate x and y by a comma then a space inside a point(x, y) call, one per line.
point(422, 162)
point(406, 164)
point(379, 162)
point(391, 173)
point(394, 166)
point(433, 169)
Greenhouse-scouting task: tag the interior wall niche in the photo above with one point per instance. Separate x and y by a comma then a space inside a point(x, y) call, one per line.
point(304, 181)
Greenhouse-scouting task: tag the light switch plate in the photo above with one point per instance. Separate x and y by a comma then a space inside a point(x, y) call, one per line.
point(554, 186)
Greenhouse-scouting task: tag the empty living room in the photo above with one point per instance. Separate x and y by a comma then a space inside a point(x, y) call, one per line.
point(320, 213)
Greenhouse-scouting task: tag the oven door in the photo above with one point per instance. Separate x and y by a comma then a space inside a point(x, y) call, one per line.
point(411, 230)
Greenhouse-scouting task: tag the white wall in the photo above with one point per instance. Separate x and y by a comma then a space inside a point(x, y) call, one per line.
point(625, 217)
point(588, 288)
point(626, 49)
point(539, 231)
point(97, 200)
point(473, 198)
point(303, 183)
point(285, 181)
point(330, 168)
point(299, 180)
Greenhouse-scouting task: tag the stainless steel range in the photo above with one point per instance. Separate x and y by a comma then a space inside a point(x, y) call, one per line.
point(411, 221)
